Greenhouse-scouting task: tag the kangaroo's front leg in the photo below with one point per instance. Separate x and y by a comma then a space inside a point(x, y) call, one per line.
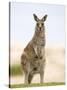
point(35, 49)
point(37, 52)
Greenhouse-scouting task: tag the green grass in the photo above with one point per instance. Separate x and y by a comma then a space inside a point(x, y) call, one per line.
point(15, 70)
point(36, 85)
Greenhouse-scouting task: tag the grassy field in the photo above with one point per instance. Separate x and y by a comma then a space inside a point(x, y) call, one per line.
point(55, 65)
point(15, 70)
point(36, 85)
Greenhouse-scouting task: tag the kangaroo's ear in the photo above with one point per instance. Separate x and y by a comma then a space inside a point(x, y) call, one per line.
point(35, 17)
point(44, 18)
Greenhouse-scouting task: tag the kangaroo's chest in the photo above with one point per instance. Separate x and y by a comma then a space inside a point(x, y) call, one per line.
point(41, 41)
point(40, 51)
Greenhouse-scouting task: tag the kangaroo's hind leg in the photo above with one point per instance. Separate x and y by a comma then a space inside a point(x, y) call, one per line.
point(26, 77)
point(42, 72)
point(42, 76)
point(30, 78)
point(25, 67)
point(27, 73)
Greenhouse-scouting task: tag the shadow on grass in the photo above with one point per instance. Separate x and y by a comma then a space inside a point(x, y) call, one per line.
point(36, 85)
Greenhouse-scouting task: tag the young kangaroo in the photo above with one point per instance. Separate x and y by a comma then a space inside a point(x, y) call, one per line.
point(33, 57)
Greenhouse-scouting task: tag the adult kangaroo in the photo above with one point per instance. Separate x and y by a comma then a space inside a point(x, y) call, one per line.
point(33, 57)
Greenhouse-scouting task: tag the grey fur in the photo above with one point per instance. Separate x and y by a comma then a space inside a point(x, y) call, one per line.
point(33, 57)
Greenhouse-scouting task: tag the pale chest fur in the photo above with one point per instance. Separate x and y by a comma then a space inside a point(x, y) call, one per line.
point(39, 50)
point(39, 44)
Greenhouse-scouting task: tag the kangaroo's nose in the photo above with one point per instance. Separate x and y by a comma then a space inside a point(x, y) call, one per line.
point(40, 25)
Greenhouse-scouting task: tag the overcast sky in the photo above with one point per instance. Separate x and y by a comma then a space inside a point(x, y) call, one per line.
point(23, 24)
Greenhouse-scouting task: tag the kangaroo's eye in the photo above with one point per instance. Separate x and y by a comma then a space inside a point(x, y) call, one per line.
point(37, 24)
point(42, 24)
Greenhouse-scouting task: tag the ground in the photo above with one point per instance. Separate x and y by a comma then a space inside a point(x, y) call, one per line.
point(54, 69)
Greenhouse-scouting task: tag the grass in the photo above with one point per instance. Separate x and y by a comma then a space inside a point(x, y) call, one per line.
point(36, 84)
point(15, 70)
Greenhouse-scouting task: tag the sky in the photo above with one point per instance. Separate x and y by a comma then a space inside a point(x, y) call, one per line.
point(23, 24)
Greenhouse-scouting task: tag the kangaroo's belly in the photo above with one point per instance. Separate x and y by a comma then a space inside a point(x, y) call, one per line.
point(36, 65)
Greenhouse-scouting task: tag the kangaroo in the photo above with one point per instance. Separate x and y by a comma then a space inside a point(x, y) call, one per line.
point(33, 57)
